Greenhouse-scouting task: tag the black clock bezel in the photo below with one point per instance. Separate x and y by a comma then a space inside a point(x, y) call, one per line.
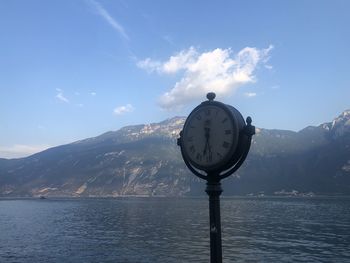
point(218, 167)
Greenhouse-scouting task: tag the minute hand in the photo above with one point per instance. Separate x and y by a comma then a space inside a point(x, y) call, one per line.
point(207, 136)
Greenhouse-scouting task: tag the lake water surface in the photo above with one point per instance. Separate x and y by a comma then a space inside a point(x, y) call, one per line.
point(174, 230)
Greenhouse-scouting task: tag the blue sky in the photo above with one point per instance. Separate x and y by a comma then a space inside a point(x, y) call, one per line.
point(70, 70)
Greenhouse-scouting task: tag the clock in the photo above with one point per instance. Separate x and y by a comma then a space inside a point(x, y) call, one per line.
point(210, 136)
point(214, 143)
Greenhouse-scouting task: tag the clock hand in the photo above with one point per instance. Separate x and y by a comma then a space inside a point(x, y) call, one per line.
point(207, 136)
point(210, 156)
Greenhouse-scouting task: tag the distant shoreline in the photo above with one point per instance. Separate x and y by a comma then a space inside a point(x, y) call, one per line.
point(53, 198)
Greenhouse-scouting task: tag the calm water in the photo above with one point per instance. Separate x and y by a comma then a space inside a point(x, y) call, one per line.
point(174, 230)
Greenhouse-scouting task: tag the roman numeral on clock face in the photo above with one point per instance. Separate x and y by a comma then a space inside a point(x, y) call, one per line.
point(192, 149)
point(226, 145)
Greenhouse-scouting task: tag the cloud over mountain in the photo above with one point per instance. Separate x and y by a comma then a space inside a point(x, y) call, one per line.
point(220, 70)
point(123, 109)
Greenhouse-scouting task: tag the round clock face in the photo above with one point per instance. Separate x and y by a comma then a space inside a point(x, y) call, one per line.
point(209, 137)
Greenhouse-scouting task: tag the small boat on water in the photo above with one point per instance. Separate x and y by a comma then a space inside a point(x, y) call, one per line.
point(42, 197)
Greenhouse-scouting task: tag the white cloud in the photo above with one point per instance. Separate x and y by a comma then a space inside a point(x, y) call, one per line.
point(149, 65)
point(60, 96)
point(218, 70)
point(250, 94)
point(182, 60)
point(109, 19)
point(93, 93)
point(20, 150)
point(123, 109)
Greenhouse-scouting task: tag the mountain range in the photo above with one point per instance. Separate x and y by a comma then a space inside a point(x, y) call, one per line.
point(144, 160)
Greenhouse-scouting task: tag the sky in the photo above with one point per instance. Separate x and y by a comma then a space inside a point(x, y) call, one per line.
point(74, 69)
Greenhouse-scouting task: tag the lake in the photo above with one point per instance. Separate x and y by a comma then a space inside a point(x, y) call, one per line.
point(134, 230)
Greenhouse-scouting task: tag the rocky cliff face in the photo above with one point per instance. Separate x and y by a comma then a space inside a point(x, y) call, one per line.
point(315, 159)
point(145, 160)
point(135, 160)
point(340, 126)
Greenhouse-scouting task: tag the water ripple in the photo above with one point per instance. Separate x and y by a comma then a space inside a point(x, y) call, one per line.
point(173, 230)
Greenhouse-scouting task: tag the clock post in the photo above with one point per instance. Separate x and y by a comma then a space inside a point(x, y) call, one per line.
point(214, 191)
point(214, 143)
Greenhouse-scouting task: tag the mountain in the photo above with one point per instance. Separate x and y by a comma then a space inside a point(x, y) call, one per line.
point(144, 160)
point(135, 160)
point(315, 159)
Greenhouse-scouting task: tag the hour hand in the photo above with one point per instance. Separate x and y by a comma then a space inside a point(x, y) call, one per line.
point(207, 133)
point(205, 148)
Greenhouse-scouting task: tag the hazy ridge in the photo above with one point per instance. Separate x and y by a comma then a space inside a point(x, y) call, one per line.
point(144, 160)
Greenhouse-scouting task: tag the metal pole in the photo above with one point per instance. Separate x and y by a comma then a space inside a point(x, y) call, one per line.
point(214, 191)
